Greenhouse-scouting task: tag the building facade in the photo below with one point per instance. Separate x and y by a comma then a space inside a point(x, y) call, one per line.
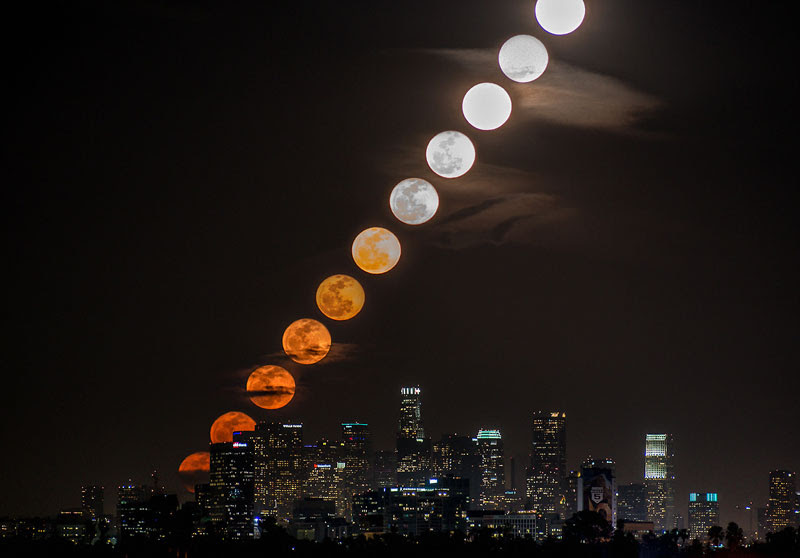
point(231, 487)
point(545, 482)
point(703, 514)
point(597, 488)
point(659, 478)
point(413, 447)
point(492, 469)
point(632, 502)
point(782, 500)
point(280, 466)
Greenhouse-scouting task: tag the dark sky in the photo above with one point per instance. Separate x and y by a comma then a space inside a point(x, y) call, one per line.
point(180, 177)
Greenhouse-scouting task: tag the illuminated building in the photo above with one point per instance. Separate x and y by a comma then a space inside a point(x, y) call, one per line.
point(279, 468)
point(570, 498)
point(492, 468)
point(357, 448)
point(703, 514)
point(413, 448)
point(781, 504)
point(384, 469)
point(632, 502)
point(133, 510)
point(519, 524)
point(597, 488)
point(71, 525)
point(92, 497)
point(548, 469)
point(231, 479)
point(325, 475)
point(458, 456)
point(659, 478)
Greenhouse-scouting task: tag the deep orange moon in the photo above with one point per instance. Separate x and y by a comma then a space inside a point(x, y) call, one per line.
point(340, 297)
point(306, 341)
point(194, 469)
point(270, 387)
point(223, 428)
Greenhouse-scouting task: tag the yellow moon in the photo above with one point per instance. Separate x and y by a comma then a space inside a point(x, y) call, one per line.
point(340, 297)
point(270, 387)
point(376, 250)
point(223, 428)
point(306, 341)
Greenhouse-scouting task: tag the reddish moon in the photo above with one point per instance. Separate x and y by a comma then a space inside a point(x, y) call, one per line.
point(306, 341)
point(270, 387)
point(194, 469)
point(223, 428)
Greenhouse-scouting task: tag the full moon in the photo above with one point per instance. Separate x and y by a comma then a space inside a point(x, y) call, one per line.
point(486, 106)
point(270, 387)
point(340, 297)
point(194, 469)
point(560, 17)
point(523, 58)
point(376, 250)
point(450, 154)
point(414, 201)
point(223, 428)
point(306, 341)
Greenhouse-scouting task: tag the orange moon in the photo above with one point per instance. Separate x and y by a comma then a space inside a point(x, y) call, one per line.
point(270, 387)
point(223, 428)
point(376, 250)
point(194, 469)
point(306, 341)
point(340, 297)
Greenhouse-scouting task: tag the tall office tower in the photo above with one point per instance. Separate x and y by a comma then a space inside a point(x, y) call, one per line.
point(632, 502)
point(597, 488)
point(703, 513)
point(780, 507)
point(231, 479)
point(413, 448)
point(493, 479)
point(384, 469)
point(325, 474)
point(570, 500)
point(457, 456)
point(357, 447)
point(92, 501)
point(659, 477)
point(279, 468)
point(548, 469)
point(133, 510)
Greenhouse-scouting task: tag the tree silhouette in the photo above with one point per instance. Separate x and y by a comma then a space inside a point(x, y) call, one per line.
point(734, 535)
point(716, 534)
point(587, 526)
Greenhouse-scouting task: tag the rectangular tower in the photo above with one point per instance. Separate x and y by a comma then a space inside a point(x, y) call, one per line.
point(279, 468)
point(597, 489)
point(547, 473)
point(493, 480)
point(780, 508)
point(632, 502)
point(231, 476)
point(659, 478)
point(357, 452)
point(703, 514)
point(413, 448)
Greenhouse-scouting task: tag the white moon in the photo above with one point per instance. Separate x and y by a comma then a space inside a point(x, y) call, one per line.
point(414, 201)
point(560, 17)
point(450, 154)
point(486, 106)
point(523, 58)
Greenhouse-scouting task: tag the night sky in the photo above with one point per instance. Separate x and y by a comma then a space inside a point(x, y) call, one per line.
point(180, 177)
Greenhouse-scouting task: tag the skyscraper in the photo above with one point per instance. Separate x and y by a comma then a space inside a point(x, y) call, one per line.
point(92, 501)
point(659, 477)
point(547, 473)
point(384, 469)
point(458, 456)
point(413, 448)
point(632, 502)
point(325, 476)
point(597, 488)
point(703, 513)
point(279, 468)
point(357, 451)
point(780, 508)
point(231, 477)
point(492, 468)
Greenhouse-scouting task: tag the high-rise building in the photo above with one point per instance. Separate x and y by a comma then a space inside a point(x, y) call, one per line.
point(325, 475)
point(279, 468)
point(597, 488)
point(384, 469)
point(548, 469)
point(570, 499)
point(492, 468)
point(703, 513)
point(781, 504)
point(458, 456)
point(659, 477)
point(231, 480)
point(92, 497)
point(133, 510)
point(357, 452)
point(632, 502)
point(413, 448)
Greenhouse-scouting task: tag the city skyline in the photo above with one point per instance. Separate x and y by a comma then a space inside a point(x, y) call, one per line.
point(182, 180)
